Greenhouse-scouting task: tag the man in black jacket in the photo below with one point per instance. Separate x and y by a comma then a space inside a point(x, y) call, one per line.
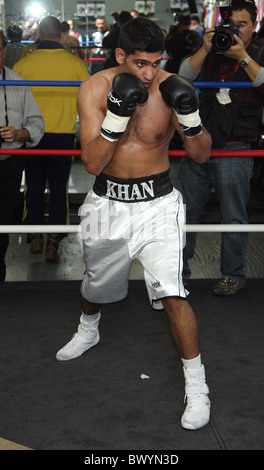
point(180, 42)
point(111, 40)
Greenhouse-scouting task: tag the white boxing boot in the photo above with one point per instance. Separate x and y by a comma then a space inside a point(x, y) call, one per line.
point(85, 338)
point(197, 411)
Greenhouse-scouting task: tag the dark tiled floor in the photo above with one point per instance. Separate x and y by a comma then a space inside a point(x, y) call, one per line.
point(100, 401)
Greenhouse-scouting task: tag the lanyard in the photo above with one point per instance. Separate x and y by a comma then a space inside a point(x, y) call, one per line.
point(228, 75)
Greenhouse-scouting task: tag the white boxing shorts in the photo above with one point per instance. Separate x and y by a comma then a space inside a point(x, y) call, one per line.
point(123, 220)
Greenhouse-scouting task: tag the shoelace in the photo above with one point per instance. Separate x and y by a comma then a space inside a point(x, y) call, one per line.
point(194, 401)
point(195, 388)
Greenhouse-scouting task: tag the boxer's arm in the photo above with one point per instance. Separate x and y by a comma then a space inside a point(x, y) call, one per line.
point(198, 148)
point(181, 95)
point(96, 151)
point(127, 91)
point(101, 128)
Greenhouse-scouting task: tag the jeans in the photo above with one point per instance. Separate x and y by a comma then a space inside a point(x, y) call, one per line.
point(11, 201)
point(54, 171)
point(230, 177)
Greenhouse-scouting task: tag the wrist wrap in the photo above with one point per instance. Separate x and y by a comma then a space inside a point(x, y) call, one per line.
point(113, 126)
point(190, 124)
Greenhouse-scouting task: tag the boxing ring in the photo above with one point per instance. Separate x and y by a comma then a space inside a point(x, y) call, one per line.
point(173, 153)
point(126, 394)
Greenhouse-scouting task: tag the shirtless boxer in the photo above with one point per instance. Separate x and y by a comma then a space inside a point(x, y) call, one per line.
point(128, 115)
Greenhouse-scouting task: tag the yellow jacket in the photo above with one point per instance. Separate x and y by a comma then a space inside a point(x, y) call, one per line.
point(57, 103)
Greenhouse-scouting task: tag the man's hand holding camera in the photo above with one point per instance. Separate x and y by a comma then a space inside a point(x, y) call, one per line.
point(236, 51)
point(207, 39)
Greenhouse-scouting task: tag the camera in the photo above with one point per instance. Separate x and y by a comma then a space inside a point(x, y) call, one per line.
point(223, 38)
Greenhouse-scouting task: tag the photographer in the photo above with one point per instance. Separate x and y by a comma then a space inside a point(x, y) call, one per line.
point(233, 118)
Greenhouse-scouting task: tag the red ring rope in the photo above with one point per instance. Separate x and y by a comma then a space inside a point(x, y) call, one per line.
point(171, 153)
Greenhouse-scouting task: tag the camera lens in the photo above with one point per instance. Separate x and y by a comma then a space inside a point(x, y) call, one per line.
point(222, 41)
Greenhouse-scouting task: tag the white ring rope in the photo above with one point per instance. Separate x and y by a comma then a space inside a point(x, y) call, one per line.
point(77, 228)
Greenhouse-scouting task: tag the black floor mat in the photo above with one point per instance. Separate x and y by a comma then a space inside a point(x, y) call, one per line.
point(127, 392)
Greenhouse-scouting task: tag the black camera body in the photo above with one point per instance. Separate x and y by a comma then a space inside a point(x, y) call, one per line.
point(223, 38)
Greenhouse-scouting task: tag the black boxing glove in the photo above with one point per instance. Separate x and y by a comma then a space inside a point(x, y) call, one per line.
point(127, 91)
point(182, 96)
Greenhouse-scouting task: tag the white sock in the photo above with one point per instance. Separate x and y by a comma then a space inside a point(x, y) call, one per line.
point(90, 320)
point(92, 317)
point(194, 363)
